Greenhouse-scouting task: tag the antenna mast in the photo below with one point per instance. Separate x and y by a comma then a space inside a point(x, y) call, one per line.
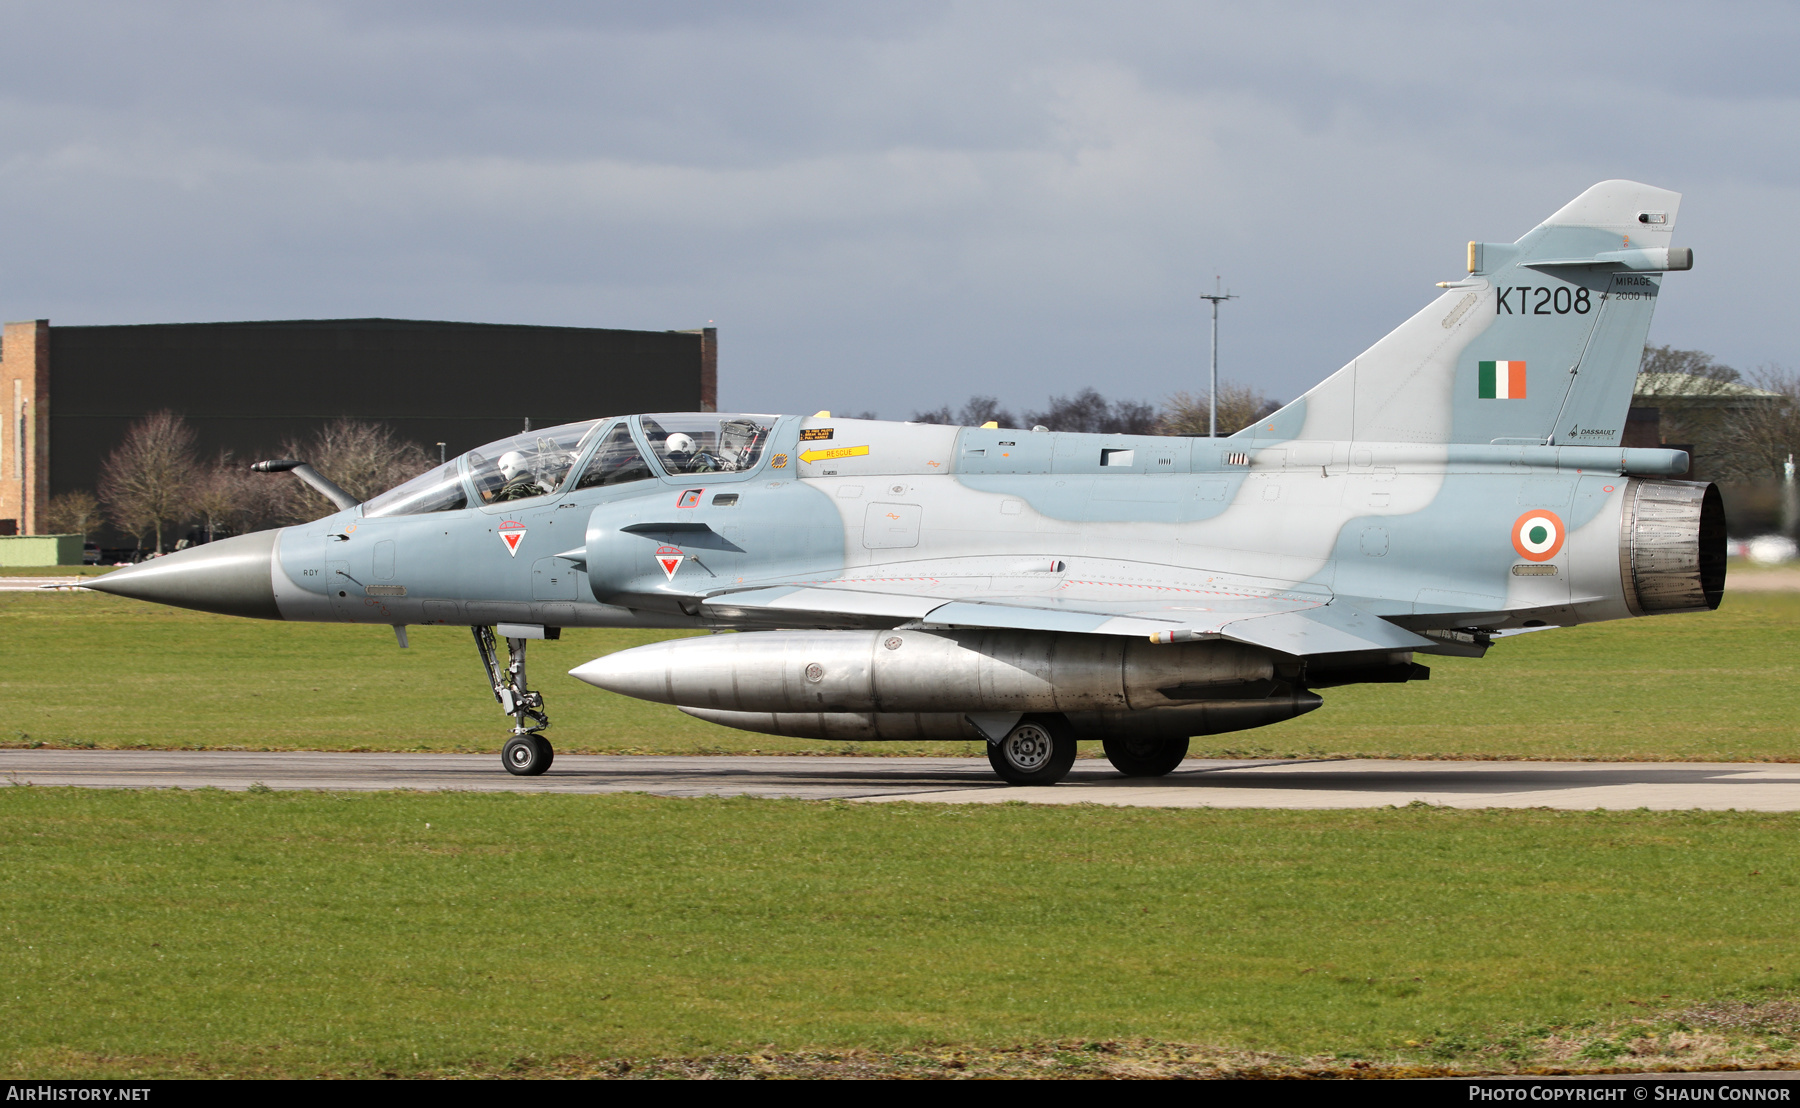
point(1212, 392)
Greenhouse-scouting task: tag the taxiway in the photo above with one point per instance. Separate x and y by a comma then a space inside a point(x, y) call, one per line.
point(1750, 786)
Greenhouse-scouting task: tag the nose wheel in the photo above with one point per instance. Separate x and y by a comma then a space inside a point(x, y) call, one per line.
point(527, 753)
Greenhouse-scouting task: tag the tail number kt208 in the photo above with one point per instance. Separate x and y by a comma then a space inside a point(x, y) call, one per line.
point(1542, 301)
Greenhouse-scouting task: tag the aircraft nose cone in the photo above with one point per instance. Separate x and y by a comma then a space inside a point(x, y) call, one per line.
point(641, 672)
point(230, 576)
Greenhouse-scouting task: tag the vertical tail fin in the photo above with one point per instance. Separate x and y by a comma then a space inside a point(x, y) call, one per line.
point(1539, 344)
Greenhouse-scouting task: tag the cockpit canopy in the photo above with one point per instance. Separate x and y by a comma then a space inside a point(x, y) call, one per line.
point(706, 443)
point(595, 453)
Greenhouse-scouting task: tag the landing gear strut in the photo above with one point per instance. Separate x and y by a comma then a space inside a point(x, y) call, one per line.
point(527, 753)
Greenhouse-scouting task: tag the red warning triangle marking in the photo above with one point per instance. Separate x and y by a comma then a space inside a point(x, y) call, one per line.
point(670, 559)
point(512, 533)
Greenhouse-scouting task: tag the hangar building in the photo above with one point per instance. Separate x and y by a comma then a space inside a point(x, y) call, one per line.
point(69, 393)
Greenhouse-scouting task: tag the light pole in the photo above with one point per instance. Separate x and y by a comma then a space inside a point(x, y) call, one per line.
point(1790, 500)
point(1212, 392)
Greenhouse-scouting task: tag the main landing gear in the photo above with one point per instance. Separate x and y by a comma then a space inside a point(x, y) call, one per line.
point(1039, 750)
point(1145, 757)
point(527, 753)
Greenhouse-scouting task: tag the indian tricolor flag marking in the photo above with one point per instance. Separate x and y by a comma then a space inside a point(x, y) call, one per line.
point(1502, 380)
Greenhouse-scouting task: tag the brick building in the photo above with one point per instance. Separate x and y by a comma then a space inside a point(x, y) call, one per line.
point(24, 433)
point(70, 393)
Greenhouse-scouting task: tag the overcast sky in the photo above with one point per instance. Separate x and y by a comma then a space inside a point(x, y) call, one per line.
point(884, 206)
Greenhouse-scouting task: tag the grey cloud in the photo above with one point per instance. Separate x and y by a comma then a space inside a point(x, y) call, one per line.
point(887, 206)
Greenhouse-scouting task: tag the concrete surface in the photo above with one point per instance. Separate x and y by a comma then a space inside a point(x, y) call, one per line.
point(1768, 787)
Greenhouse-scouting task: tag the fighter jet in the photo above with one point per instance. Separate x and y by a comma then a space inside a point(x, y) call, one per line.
point(1460, 481)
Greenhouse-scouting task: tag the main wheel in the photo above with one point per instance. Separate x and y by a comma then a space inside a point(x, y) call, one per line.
point(527, 755)
point(1145, 757)
point(1038, 751)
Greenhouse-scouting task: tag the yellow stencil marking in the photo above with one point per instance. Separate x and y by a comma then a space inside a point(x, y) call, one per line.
point(833, 454)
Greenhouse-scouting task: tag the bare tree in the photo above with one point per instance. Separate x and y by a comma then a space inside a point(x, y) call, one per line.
point(263, 500)
point(361, 458)
point(1239, 407)
point(1688, 363)
point(1133, 417)
point(978, 410)
point(72, 513)
point(147, 481)
point(985, 409)
point(214, 500)
point(1758, 437)
point(1740, 428)
point(1088, 411)
point(229, 499)
point(1688, 384)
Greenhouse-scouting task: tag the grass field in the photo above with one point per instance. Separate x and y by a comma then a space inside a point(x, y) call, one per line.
point(91, 670)
point(296, 934)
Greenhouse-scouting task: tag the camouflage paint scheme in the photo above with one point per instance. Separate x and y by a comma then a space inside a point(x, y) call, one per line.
point(1375, 517)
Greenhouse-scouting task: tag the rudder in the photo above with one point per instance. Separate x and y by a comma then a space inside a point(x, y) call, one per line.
point(1539, 344)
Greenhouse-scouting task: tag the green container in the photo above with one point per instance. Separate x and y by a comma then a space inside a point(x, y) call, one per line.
point(40, 550)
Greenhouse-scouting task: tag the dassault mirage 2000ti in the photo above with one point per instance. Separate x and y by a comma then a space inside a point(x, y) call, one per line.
point(1460, 480)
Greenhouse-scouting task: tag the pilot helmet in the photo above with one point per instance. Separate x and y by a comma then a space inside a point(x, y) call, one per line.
point(512, 463)
point(679, 443)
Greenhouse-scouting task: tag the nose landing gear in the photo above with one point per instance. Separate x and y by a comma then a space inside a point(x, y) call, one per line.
point(527, 753)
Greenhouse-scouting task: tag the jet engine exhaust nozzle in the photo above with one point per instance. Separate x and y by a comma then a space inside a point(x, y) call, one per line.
point(1672, 546)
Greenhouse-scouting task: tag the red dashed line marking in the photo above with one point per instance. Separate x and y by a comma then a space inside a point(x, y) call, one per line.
point(1194, 592)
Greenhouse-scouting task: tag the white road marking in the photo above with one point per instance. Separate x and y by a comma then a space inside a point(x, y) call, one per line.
point(33, 584)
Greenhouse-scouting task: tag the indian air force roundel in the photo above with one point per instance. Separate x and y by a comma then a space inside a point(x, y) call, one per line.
point(1538, 535)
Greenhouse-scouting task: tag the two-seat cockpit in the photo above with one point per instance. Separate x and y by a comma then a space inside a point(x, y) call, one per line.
point(593, 454)
point(539, 466)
